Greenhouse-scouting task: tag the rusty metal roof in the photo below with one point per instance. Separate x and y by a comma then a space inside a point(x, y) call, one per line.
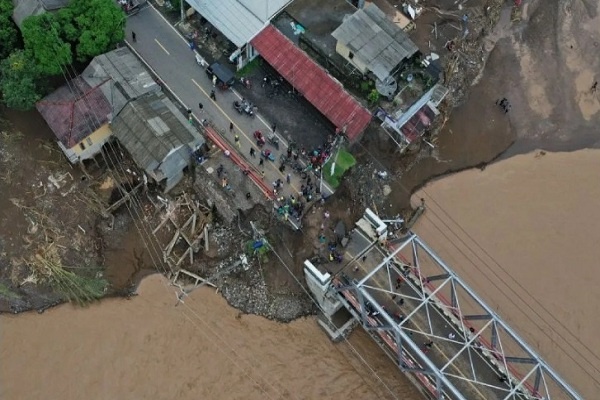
point(75, 110)
point(313, 82)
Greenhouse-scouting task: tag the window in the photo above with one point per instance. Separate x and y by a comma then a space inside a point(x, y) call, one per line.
point(350, 55)
point(82, 146)
point(89, 141)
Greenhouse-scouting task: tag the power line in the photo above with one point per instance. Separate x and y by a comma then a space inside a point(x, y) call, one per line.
point(510, 298)
point(88, 118)
point(323, 311)
point(153, 246)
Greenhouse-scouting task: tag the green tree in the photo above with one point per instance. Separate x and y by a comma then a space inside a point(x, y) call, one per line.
point(9, 35)
point(41, 35)
point(18, 81)
point(92, 26)
point(373, 97)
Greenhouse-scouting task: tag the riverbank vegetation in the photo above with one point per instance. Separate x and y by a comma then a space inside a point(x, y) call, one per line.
point(49, 43)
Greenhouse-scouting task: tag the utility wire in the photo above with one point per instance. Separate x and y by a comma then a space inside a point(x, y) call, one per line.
point(509, 297)
point(91, 126)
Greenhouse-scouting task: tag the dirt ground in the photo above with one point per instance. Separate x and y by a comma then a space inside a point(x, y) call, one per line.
point(296, 119)
point(554, 114)
point(42, 211)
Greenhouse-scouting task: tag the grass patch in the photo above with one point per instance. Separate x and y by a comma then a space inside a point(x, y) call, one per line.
point(343, 162)
point(7, 293)
point(248, 68)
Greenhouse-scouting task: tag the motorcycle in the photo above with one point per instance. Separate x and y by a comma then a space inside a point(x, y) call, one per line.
point(246, 82)
point(273, 140)
point(267, 155)
point(244, 107)
point(260, 139)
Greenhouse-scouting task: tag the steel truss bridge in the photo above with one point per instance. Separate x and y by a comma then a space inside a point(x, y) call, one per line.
point(436, 329)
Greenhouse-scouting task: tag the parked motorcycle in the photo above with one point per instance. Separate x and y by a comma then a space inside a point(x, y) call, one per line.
point(260, 139)
point(273, 140)
point(246, 82)
point(267, 155)
point(244, 107)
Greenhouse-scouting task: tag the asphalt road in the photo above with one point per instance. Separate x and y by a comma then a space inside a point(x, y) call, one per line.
point(161, 46)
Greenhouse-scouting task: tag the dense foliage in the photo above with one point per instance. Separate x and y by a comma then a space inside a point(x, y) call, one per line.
point(41, 37)
point(18, 81)
point(9, 36)
point(93, 27)
point(80, 31)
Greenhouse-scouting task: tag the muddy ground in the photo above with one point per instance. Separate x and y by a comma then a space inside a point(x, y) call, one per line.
point(543, 58)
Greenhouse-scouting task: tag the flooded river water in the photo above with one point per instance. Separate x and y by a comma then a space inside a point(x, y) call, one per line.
point(146, 348)
point(524, 234)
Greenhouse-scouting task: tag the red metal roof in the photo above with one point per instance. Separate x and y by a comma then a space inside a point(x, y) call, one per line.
point(74, 111)
point(312, 81)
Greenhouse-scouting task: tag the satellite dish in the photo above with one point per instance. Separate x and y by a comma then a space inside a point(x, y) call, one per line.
point(387, 87)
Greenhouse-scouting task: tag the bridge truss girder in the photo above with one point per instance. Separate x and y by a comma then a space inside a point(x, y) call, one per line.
point(482, 356)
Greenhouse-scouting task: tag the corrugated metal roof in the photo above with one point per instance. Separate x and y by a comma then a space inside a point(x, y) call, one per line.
point(76, 110)
point(238, 20)
point(312, 81)
point(130, 78)
point(25, 8)
point(375, 40)
point(156, 135)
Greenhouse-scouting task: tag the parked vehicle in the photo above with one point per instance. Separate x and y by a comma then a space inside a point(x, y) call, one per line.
point(267, 155)
point(244, 107)
point(260, 139)
point(273, 139)
point(222, 76)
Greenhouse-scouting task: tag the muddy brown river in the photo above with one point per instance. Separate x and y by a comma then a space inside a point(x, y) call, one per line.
point(147, 348)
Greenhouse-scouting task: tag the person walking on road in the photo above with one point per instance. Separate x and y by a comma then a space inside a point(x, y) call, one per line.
point(133, 36)
point(231, 127)
point(213, 96)
point(201, 107)
point(237, 141)
point(252, 152)
point(274, 127)
point(261, 162)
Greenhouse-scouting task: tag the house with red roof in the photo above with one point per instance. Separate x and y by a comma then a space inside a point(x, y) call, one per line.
point(79, 113)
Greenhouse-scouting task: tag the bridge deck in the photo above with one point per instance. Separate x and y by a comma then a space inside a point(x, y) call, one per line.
point(435, 330)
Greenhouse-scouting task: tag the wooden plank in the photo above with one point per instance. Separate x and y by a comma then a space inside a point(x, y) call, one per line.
point(172, 243)
point(205, 237)
point(189, 250)
point(198, 278)
point(167, 217)
point(121, 201)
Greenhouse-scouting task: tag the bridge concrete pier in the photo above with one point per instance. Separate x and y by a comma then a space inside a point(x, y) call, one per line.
point(335, 320)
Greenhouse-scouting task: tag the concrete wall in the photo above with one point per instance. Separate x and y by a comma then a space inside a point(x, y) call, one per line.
point(344, 51)
point(319, 284)
point(91, 145)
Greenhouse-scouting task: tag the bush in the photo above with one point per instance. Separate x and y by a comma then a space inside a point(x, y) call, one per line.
point(373, 97)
